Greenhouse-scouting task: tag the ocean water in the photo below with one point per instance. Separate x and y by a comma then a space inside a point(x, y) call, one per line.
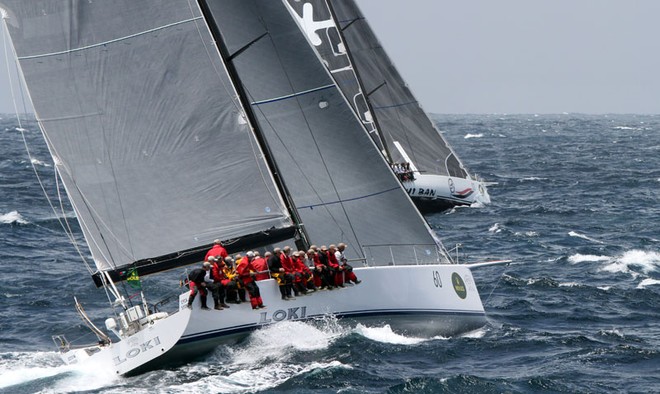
point(576, 205)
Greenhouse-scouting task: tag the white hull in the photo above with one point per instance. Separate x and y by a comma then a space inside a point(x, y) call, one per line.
point(136, 351)
point(405, 297)
point(435, 192)
point(424, 300)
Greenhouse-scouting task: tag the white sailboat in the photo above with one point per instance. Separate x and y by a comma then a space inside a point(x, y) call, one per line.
point(436, 178)
point(174, 123)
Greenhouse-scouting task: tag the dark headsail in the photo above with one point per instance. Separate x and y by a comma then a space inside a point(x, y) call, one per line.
point(399, 115)
point(340, 183)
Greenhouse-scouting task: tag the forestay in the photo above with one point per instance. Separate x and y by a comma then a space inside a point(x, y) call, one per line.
point(141, 120)
point(341, 186)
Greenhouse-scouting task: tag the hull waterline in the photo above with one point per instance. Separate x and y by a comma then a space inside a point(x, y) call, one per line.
point(422, 301)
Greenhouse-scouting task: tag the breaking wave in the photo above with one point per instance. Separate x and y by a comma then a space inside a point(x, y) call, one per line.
point(580, 258)
point(45, 372)
point(468, 136)
point(12, 217)
point(578, 235)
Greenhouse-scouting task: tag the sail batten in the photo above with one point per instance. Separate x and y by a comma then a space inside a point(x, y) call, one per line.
point(292, 95)
point(107, 42)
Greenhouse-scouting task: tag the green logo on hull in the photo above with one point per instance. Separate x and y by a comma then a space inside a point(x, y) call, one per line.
point(459, 285)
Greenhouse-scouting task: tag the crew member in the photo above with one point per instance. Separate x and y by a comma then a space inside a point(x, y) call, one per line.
point(217, 251)
point(278, 273)
point(246, 272)
point(349, 275)
point(261, 265)
point(220, 280)
point(306, 276)
point(197, 284)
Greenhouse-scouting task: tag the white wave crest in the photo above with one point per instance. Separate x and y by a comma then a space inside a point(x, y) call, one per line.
point(569, 284)
point(580, 258)
point(476, 334)
point(625, 128)
point(648, 282)
point(647, 261)
point(386, 335)
point(248, 380)
point(12, 217)
point(532, 178)
point(468, 136)
point(526, 234)
point(38, 162)
point(578, 235)
point(634, 262)
point(21, 368)
point(495, 228)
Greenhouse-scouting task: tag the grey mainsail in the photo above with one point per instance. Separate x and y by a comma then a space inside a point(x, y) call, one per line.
point(341, 185)
point(143, 124)
point(399, 115)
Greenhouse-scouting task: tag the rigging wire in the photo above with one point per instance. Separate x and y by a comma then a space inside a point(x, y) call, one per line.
point(67, 228)
point(63, 221)
point(495, 287)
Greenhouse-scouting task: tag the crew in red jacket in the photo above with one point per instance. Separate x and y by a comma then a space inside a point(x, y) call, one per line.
point(322, 273)
point(222, 282)
point(290, 268)
point(306, 276)
point(217, 251)
point(334, 264)
point(261, 265)
point(246, 272)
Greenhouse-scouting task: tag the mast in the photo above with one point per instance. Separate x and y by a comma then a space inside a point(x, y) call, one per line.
point(340, 31)
point(302, 243)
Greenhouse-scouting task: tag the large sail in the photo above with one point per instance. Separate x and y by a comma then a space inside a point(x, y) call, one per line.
point(316, 19)
point(144, 126)
point(400, 116)
point(342, 187)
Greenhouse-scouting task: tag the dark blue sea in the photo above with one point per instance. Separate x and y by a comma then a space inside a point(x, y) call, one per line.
point(575, 205)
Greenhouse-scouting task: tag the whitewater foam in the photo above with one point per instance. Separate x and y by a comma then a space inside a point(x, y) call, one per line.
point(648, 282)
point(647, 261)
point(38, 162)
point(580, 258)
point(12, 217)
point(21, 368)
point(467, 136)
point(386, 335)
point(578, 235)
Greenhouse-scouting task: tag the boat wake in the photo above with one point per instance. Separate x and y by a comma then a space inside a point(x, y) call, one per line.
point(268, 358)
point(43, 371)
